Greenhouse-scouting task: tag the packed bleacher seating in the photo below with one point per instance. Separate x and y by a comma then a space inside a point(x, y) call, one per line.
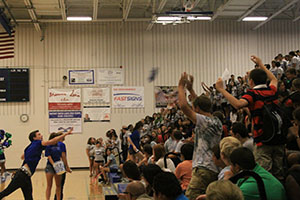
point(248, 126)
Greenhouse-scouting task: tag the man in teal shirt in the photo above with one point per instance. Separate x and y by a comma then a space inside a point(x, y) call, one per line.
point(243, 159)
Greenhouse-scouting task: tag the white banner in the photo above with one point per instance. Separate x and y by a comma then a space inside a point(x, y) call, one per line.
point(128, 97)
point(78, 77)
point(64, 99)
point(110, 76)
point(95, 95)
point(96, 114)
point(64, 120)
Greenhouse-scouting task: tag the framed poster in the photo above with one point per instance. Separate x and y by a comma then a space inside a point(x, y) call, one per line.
point(80, 77)
point(110, 76)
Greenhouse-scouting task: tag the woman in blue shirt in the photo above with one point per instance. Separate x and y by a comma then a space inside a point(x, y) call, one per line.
point(54, 153)
point(134, 141)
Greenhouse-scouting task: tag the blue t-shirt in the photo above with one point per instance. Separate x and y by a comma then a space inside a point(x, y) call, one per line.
point(32, 154)
point(54, 151)
point(181, 197)
point(135, 138)
point(62, 147)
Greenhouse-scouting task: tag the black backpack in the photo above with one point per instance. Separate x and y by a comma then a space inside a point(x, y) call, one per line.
point(275, 123)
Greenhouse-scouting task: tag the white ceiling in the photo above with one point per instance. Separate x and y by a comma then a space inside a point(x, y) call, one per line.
point(144, 10)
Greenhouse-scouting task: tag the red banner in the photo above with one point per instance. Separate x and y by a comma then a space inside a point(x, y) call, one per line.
point(64, 106)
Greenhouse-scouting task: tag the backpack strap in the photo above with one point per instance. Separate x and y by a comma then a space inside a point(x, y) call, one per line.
point(258, 179)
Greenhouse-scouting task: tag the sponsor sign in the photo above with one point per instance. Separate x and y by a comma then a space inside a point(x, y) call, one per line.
point(64, 120)
point(95, 95)
point(64, 99)
point(96, 114)
point(128, 97)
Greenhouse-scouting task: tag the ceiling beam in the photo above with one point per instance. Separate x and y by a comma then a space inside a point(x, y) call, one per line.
point(63, 9)
point(276, 13)
point(201, 3)
point(249, 11)
point(296, 19)
point(32, 14)
point(95, 12)
point(159, 9)
point(126, 9)
point(9, 11)
point(221, 9)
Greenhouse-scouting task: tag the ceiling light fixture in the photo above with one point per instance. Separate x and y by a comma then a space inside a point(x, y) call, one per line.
point(192, 18)
point(79, 18)
point(255, 19)
point(166, 18)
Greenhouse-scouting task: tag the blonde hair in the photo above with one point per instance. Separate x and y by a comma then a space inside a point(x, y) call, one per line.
point(227, 145)
point(223, 190)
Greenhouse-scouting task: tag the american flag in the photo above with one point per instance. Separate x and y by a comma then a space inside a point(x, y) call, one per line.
point(7, 45)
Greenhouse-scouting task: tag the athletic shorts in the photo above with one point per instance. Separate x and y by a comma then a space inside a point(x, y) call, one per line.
point(99, 161)
point(92, 157)
point(2, 158)
point(49, 169)
point(132, 152)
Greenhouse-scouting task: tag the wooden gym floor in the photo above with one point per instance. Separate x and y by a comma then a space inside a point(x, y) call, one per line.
point(78, 186)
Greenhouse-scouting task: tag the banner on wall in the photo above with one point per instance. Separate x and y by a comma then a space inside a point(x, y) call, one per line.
point(64, 99)
point(78, 77)
point(64, 120)
point(96, 114)
point(128, 97)
point(165, 95)
point(110, 76)
point(95, 95)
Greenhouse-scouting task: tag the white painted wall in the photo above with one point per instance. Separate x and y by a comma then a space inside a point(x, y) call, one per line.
point(203, 49)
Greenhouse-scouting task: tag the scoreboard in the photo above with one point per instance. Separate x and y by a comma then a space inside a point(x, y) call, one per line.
point(14, 84)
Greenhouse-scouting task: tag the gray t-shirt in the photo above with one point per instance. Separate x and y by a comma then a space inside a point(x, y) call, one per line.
point(208, 134)
point(99, 153)
point(90, 148)
point(113, 163)
point(249, 144)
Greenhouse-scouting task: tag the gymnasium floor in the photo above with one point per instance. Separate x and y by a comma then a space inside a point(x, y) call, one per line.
point(78, 186)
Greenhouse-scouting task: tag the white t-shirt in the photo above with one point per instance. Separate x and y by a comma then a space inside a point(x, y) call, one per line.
point(170, 164)
point(296, 61)
point(178, 146)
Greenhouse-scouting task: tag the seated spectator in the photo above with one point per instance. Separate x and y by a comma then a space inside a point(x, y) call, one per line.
point(135, 191)
point(240, 132)
point(183, 170)
point(243, 159)
point(131, 171)
point(110, 166)
point(292, 181)
point(227, 145)
point(158, 158)
point(222, 190)
point(219, 162)
point(149, 173)
point(167, 187)
point(147, 150)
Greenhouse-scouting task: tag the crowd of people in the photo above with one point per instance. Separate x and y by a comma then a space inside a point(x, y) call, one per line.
point(238, 140)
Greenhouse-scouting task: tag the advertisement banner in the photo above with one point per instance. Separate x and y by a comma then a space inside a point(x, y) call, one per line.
point(96, 114)
point(78, 77)
point(64, 120)
point(64, 99)
point(128, 97)
point(110, 76)
point(165, 95)
point(95, 95)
